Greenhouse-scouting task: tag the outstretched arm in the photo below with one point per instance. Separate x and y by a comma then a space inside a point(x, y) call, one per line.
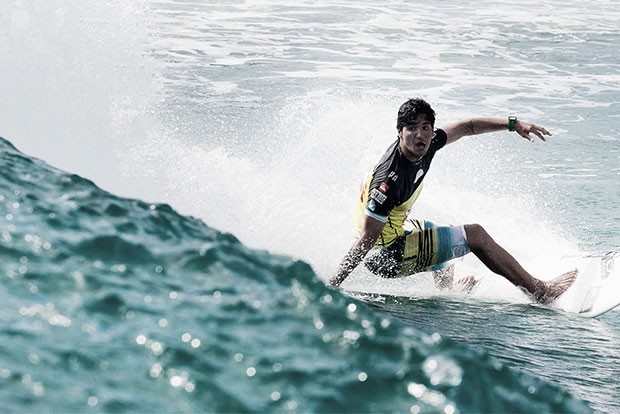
point(476, 126)
point(370, 233)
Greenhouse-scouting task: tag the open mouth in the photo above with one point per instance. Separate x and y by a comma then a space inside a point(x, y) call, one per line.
point(420, 145)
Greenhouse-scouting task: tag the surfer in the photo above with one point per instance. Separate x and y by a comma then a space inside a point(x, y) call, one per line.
point(401, 246)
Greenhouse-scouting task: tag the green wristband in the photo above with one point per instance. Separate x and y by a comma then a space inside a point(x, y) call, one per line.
point(511, 123)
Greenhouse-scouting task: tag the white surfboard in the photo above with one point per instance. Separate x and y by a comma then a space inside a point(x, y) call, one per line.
point(597, 287)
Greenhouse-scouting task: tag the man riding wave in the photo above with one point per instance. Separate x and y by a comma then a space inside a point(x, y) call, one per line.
point(392, 187)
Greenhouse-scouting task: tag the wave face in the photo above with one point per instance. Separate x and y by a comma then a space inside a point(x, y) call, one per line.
point(116, 304)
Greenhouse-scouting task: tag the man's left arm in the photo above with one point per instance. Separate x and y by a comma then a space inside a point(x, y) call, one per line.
point(477, 126)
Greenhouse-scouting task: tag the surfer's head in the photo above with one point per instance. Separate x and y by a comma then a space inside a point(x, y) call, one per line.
point(416, 121)
point(409, 111)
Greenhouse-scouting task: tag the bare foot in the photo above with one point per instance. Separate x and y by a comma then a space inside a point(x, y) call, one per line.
point(465, 284)
point(557, 286)
point(444, 277)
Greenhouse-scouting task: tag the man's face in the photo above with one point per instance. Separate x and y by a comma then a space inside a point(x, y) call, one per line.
point(416, 138)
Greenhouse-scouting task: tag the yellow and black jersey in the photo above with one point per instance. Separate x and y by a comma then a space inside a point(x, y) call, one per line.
point(392, 186)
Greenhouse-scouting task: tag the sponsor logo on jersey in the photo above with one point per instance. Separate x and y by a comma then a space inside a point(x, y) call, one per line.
point(378, 196)
point(384, 187)
point(419, 174)
point(393, 176)
point(371, 205)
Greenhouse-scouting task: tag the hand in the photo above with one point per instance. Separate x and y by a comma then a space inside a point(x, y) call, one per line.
point(525, 129)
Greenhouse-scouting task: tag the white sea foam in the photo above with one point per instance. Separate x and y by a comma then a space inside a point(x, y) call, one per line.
point(261, 117)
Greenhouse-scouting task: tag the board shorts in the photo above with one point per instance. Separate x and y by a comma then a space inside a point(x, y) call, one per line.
point(424, 247)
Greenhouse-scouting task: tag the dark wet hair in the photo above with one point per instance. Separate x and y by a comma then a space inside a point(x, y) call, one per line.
point(409, 111)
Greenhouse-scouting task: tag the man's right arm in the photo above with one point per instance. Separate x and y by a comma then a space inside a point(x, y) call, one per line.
point(371, 230)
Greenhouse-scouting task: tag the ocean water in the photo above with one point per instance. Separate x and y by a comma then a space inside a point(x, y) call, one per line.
point(177, 181)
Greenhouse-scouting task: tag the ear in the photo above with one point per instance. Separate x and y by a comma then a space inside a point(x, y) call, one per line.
point(400, 133)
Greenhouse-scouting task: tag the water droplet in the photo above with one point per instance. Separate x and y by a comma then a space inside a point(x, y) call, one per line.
point(362, 376)
point(163, 323)
point(92, 401)
point(352, 307)
point(38, 389)
point(430, 364)
point(250, 372)
point(141, 339)
point(157, 348)
point(186, 337)
point(327, 298)
point(351, 335)
point(275, 396)
point(119, 268)
point(449, 409)
point(417, 390)
point(195, 343)
point(156, 370)
point(176, 381)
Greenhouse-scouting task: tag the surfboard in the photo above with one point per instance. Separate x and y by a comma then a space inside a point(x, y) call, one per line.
point(597, 287)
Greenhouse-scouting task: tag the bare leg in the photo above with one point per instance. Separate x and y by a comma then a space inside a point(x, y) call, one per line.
point(501, 262)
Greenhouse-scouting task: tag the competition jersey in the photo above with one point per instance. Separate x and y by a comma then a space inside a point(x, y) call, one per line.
point(394, 184)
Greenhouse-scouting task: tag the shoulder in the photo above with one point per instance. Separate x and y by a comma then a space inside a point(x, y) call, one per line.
point(440, 139)
point(388, 161)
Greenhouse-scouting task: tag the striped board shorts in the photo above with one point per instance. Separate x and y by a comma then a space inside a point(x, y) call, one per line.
point(425, 247)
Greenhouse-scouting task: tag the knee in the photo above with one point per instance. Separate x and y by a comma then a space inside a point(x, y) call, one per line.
point(476, 235)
